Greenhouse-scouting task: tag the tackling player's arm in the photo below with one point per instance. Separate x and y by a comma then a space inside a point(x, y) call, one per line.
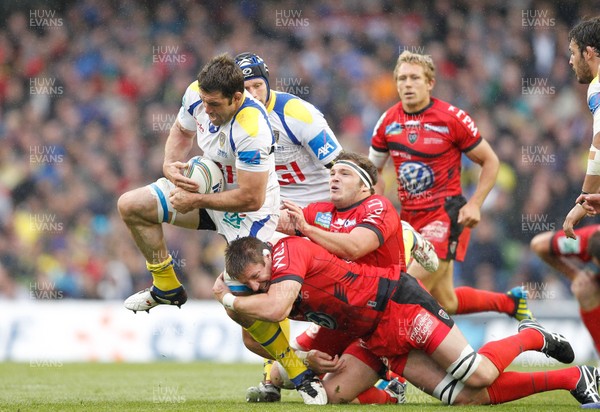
point(482, 154)
point(178, 145)
point(352, 246)
point(273, 306)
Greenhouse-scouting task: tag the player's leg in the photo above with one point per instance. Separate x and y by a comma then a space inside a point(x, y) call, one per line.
point(144, 210)
point(418, 249)
point(450, 241)
point(586, 289)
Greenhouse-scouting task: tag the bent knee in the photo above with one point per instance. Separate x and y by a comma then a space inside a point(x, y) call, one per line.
point(482, 377)
point(136, 204)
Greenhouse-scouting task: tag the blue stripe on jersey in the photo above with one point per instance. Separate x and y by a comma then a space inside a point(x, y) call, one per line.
point(163, 202)
point(594, 102)
point(250, 103)
point(193, 106)
point(252, 157)
point(281, 100)
point(322, 145)
point(257, 226)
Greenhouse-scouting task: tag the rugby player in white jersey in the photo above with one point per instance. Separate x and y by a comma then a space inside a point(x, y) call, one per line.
point(305, 149)
point(233, 130)
point(584, 47)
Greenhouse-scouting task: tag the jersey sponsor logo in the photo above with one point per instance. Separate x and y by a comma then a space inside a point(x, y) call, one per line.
point(393, 128)
point(276, 134)
point(251, 157)
point(321, 319)
point(322, 145)
point(234, 219)
point(345, 223)
point(464, 118)
point(323, 219)
point(278, 257)
point(568, 246)
point(412, 123)
point(442, 313)
point(594, 102)
point(416, 177)
point(422, 328)
point(435, 231)
point(437, 129)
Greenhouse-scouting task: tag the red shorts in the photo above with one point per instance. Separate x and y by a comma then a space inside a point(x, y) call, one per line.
point(440, 227)
point(412, 320)
point(335, 342)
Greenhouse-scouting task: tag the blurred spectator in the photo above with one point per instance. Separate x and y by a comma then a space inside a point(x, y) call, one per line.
point(89, 90)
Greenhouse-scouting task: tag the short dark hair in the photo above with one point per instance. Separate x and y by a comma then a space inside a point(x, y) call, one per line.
point(364, 163)
point(593, 247)
point(221, 74)
point(587, 33)
point(242, 252)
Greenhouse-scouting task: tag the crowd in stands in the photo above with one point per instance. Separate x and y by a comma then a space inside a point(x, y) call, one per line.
point(90, 88)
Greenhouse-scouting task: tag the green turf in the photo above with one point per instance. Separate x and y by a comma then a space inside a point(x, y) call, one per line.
point(186, 387)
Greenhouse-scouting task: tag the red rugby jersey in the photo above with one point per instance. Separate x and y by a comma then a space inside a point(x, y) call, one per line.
point(376, 213)
point(426, 148)
point(336, 294)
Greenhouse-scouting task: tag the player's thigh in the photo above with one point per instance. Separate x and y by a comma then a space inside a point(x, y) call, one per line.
point(355, 378)
point(160, 191)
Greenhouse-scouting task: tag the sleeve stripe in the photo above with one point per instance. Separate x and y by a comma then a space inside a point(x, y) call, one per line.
point(375, 230)
point(295, 278)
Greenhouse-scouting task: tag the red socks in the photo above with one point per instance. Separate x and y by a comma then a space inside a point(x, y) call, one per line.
point(502, 352)
point(374, 395)
point(591, 320)
point(516, 385)
point(472, 300)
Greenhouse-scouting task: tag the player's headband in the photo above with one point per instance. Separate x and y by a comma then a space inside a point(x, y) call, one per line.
point(364, 176)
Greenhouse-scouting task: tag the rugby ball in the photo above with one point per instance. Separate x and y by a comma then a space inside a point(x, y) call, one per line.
point(206, 173)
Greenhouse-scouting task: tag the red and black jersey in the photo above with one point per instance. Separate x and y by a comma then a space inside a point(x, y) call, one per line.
point(376, 213)
point(561, 245)
point(426, 148)
point(336, 294)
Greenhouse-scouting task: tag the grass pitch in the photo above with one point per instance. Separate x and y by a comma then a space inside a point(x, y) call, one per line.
point(53, 386)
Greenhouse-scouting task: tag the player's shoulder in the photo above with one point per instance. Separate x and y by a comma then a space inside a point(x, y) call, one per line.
point(251, 117)
point(593, 95)
point(378, 202)
point(292, 106)
point(193, 89)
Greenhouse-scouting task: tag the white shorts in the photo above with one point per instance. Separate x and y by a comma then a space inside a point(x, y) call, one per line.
point(260, 224)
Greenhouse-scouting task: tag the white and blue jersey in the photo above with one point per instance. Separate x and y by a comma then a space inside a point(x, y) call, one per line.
point(304, 144)
point(244, 143)
point(593, 101)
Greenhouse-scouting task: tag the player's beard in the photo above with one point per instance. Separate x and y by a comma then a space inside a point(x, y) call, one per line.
point(584, 73)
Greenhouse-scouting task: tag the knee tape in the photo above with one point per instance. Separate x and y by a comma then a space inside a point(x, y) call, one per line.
point(448, 389)
point(467, 363)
